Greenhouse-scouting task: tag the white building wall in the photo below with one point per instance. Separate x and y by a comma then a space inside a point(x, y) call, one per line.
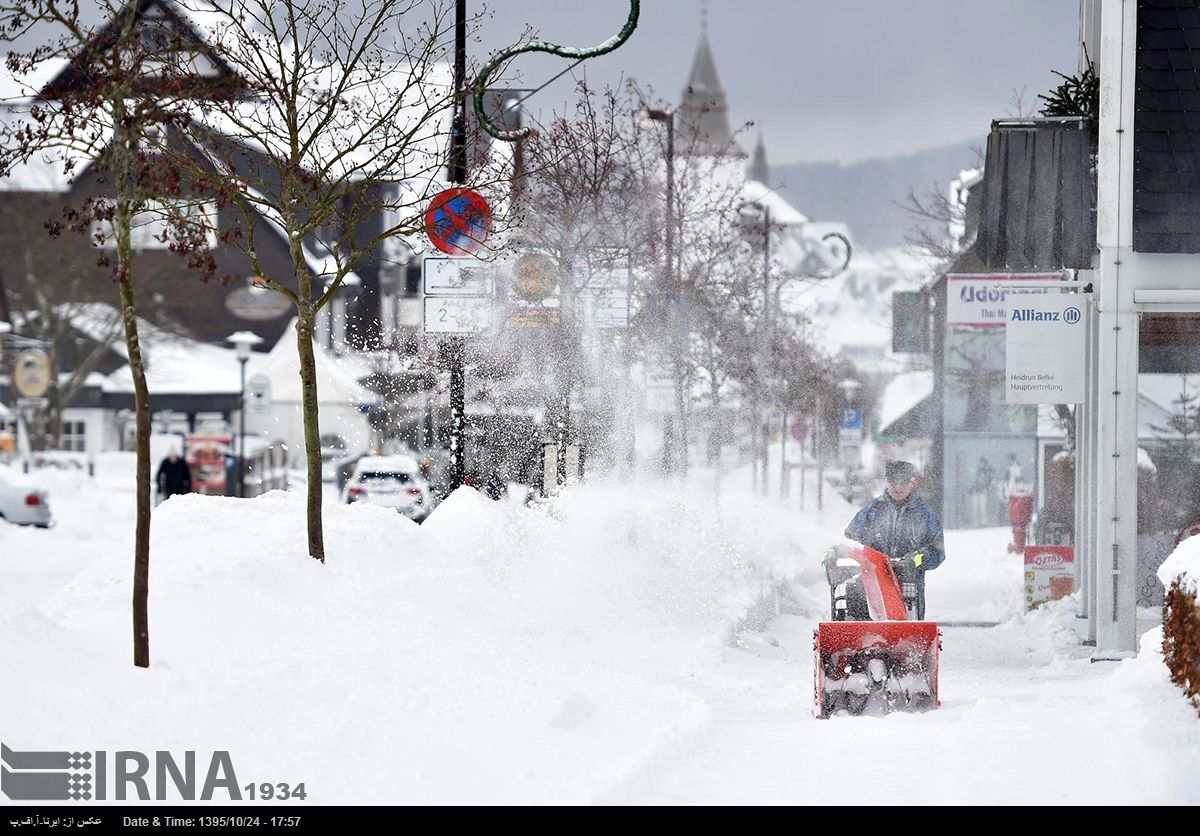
point(1123, 280)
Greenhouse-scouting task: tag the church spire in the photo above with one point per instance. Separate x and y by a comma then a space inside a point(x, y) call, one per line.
point(758, 165)
point(703, 111)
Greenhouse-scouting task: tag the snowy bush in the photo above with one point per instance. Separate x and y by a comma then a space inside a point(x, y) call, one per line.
point(1180, 573)
point(1181, 638)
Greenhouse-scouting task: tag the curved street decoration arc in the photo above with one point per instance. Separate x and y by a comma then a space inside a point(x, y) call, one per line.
point(554, 49)
point(846, 263)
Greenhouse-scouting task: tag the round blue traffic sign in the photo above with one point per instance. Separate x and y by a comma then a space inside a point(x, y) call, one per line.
point(458, 221)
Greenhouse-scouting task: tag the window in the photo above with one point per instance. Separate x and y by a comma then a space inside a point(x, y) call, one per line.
point(74, 435)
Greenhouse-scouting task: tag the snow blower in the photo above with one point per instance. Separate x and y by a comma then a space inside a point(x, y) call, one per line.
point(874, 657)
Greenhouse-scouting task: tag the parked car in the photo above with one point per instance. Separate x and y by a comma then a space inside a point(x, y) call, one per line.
point(332, 460)
point(22, 501)
point(391, 481)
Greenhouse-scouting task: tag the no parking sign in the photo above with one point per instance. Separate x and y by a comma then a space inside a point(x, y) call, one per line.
point(458, 221)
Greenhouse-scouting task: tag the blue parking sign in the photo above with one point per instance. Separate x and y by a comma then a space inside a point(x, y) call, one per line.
point(851, 418)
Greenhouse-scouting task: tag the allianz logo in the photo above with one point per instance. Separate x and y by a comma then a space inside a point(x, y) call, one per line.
point(1069, 316)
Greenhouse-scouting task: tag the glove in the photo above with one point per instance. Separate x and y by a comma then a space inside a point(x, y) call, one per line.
point(907, 566)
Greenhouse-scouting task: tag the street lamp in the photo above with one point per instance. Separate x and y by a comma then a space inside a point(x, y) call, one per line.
point(672, 441)
point(751, 213)
point(667, 117)
point(242, 341)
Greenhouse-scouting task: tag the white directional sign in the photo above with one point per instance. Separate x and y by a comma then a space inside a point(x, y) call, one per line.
point(456, 277)
point(604, 299)
point(660, 390)
point(458, 314)
point(1045, 348)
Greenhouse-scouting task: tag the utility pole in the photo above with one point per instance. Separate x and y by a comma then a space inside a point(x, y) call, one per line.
point(568, 358)
point(784, 483)
point(768, 326)
point(817, 440)
point(457, 173)
point(674, 434)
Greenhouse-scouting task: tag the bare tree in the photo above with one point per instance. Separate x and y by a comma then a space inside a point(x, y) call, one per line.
point(51, 289)
point(337, 143)
point(591, 208)
point(116, 86)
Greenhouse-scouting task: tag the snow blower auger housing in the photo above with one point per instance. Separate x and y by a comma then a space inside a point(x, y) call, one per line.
point(874, 657)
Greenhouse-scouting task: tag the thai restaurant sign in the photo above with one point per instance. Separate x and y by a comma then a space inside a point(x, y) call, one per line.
point(982, 299)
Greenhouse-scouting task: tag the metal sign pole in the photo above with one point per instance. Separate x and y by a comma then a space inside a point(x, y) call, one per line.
point(458, 174)
point(458, 408)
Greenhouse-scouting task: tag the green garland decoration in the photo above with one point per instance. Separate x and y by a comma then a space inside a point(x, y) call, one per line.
point(846, 243)
point(542, 46)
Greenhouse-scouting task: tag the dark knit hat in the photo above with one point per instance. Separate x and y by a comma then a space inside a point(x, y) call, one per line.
point(899, 472)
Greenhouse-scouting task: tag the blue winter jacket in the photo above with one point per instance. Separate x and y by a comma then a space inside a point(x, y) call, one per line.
point(897, 528)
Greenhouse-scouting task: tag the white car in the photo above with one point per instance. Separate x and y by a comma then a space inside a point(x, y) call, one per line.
point(393, 482)
point(22, 501)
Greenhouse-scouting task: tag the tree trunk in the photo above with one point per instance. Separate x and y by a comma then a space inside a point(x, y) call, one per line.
point(122, 221)
point(312, 435)
point(141, 547)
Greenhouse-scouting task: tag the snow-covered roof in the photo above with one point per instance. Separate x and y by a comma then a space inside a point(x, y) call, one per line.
point(1165, 390)
point(98, 321)
point(1157, 396)
point(182, 366)
point(54, 169)
point(336, 376)
point(1048, 425)
point(782, 212)
point(26, 85)
point(175, 364)
point(902, 393)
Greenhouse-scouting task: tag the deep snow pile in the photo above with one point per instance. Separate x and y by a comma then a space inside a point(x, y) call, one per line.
point(1183, 563)
point(497, 653)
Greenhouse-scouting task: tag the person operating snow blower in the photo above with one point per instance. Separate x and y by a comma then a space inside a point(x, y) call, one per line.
point(877, 654)
point(900, 524)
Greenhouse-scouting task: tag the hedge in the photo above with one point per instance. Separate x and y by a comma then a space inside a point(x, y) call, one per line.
point(1181, 639)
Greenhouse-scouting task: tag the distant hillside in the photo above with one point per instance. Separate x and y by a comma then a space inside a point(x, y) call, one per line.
point(868, 195)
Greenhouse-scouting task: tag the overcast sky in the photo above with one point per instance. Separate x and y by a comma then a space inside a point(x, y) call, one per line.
point(826, 80)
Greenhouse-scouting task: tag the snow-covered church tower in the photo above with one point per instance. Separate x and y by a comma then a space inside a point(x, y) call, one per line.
point(758, 169)
point(703, 113)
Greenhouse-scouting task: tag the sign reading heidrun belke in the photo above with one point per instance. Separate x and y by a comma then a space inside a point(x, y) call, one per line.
point(1045, 348)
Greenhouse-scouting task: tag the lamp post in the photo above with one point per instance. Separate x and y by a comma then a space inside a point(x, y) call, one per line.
point(751, 214)
point(667, 117)
point(674, 438)
point(242, 341)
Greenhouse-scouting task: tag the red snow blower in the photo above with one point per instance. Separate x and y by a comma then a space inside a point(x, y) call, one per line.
point(874, 657)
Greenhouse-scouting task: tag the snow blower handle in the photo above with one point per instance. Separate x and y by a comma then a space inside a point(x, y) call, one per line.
point(906, 568)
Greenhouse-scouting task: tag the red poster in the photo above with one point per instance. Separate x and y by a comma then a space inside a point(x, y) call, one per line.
point(206, 458)
point(1049, 574)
